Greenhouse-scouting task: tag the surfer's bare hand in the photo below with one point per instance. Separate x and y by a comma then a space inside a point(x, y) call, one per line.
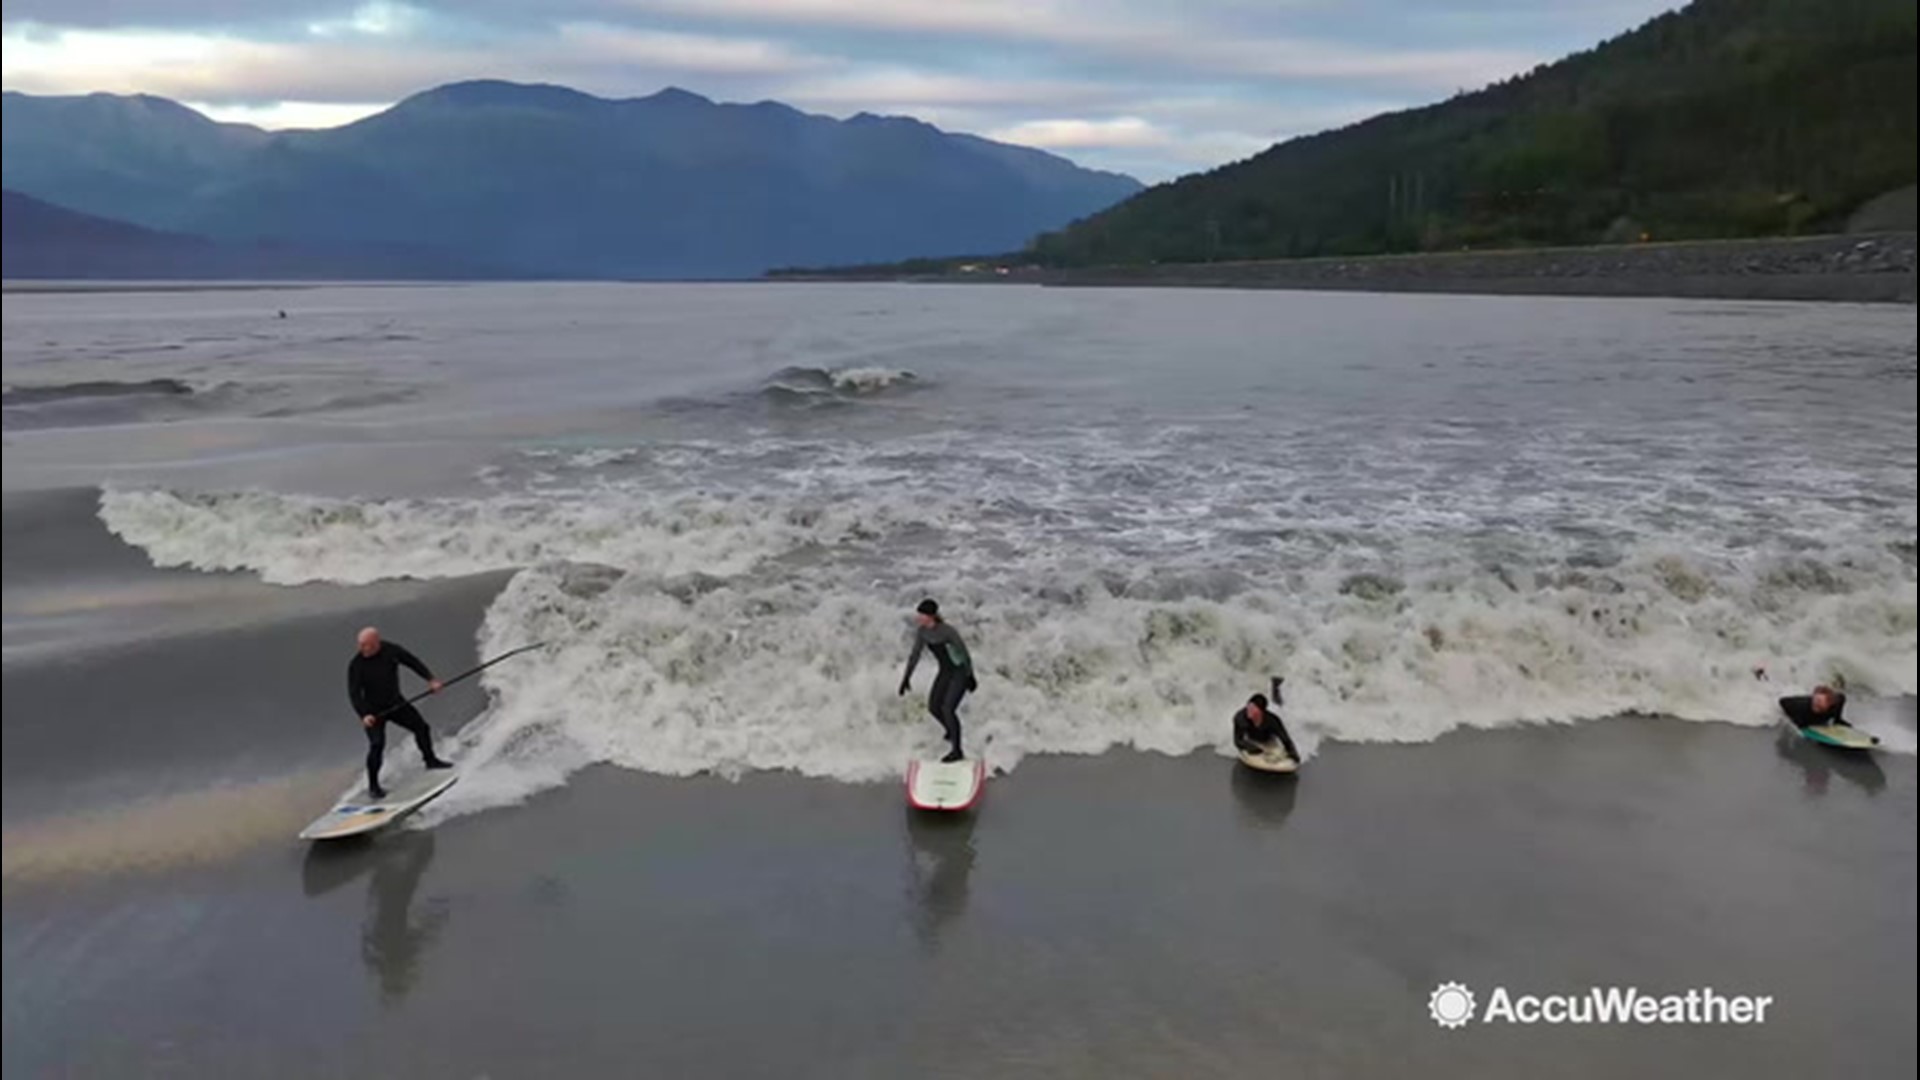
point(434, 685)
point(368, 721)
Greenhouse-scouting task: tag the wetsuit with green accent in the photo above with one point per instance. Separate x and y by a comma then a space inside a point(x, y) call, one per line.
point(955, 678)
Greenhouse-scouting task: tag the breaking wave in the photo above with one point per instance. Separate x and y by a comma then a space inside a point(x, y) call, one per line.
point(15, 396)
point(729, 628)
point(98, 403)
point(101, 403)
point(815, 384)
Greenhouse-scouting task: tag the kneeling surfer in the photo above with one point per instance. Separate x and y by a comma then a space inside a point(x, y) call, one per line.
point(1257, 726)
point(373, 684)
point(955, 680)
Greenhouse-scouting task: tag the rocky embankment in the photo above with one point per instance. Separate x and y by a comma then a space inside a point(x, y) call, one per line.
point(1876, 268)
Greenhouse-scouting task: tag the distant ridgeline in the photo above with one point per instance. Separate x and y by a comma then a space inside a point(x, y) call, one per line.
point(499, 179)
point(1731, 118)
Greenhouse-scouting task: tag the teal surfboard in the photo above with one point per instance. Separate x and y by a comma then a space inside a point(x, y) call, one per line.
point(1839, 736)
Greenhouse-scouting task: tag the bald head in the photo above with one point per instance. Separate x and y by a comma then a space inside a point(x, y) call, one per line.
point(369, 640)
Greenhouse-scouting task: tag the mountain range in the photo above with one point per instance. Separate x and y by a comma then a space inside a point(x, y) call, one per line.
point(545, 181)
point(39, 240)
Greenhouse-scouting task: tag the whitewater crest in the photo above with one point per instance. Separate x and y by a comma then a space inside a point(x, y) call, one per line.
point(731, 631)
point(847, 383)
point(294, 539)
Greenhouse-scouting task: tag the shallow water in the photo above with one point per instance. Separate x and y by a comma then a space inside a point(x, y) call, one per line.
point(1426, 512)
point(1429, 513)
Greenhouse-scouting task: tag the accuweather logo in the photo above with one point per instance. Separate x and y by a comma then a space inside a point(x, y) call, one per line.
point(1451, 1005)
point(1454, 1006)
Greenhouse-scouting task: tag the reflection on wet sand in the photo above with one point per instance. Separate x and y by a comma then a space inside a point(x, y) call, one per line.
point(398, 931)
point(941, 862)
point(186, 828)
point(1818, 765)
point(1265, 799)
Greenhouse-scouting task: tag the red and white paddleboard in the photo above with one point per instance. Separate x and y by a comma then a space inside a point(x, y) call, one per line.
point(934, 785)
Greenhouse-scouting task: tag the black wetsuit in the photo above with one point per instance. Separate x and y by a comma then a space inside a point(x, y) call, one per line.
point(1258, 738)
point(1800, 710)
point(955, 678)
point(373, 685)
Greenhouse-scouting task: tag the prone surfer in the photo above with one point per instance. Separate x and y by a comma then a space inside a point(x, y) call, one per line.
point(1819, 708)
point(373, 685)
point(956, 677)
point(1257, 726)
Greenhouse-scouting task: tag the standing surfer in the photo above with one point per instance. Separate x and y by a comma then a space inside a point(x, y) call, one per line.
point(373, 684)
point(956, 678)
point(1256, 725)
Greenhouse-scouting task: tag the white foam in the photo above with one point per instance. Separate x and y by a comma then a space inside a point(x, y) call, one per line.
point(868, 380)
point(294, 539)
point(1114, 596)
point(783, 675)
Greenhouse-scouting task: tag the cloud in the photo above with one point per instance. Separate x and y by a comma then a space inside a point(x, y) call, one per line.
point(223, 68)
point(1200, 43)
point(78, 61)
point(1121, 131)
point(282, 115)
point(220, 67)
point(1163, 137)
point(996, 18)
point(380, 18)
point(884, 89)
point(599, 43)
point(1133, 144)
point(104, 14)
point(1434, 69)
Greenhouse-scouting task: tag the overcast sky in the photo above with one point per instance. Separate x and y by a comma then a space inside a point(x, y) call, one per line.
point(1152, 87)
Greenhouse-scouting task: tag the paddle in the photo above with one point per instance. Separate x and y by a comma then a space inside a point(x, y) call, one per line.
point(467, 674)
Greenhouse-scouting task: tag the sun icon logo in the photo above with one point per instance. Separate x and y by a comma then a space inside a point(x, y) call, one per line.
point(1451, 1005)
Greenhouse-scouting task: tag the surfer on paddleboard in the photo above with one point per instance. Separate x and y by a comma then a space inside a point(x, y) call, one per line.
point(1256, 725)
point(1820, 708)
point(955, 680)
point(373, 684)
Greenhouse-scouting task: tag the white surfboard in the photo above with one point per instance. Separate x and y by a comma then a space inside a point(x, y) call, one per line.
point(360, 813)
point(1273, 759)
point(935, 785)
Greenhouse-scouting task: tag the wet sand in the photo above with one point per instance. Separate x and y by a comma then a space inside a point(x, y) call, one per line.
point(1126, 915)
